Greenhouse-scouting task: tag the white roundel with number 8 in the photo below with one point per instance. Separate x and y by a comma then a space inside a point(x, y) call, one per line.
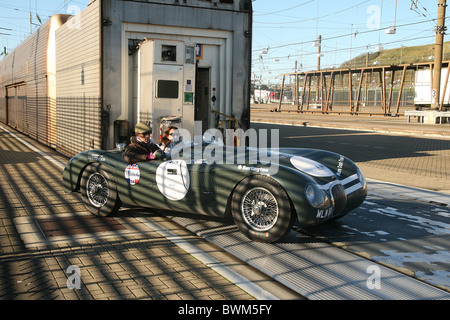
point(172, 178)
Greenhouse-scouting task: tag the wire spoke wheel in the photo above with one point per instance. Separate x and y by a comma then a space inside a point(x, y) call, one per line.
point(260, 209)
point(97, 190)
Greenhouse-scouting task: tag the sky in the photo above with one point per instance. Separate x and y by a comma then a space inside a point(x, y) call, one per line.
point(283, 31)
point(348, 29)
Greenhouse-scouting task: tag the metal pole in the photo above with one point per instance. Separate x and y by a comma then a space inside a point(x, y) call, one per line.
point(281, 94)
point(440, 31)
point(445, 88)
point(319, 52)
point(319, 85)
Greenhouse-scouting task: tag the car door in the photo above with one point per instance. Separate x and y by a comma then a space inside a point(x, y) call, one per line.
point(136, 183)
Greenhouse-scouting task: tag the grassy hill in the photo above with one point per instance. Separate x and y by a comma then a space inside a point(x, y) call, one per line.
point(397, 56)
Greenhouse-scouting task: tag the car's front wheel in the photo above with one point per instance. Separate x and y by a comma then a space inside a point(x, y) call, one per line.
point(261, 209)
point(99, 191)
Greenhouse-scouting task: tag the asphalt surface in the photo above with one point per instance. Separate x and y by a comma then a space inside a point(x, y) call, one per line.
point(374, 123)
point(143, 264)
point(385, 148)
point(131, 262)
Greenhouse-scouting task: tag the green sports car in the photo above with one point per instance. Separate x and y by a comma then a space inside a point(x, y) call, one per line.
point(264, 190)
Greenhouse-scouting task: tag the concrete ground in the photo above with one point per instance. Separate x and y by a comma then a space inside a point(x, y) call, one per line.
point(143, 264)
point(412, 154)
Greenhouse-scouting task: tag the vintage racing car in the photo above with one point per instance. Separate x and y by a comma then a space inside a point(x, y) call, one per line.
point(264, 199)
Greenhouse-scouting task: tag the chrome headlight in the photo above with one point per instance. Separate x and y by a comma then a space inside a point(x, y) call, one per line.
point(316, 196)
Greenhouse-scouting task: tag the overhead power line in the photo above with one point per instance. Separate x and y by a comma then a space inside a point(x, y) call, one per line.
point(342, 36)
point(288, 9)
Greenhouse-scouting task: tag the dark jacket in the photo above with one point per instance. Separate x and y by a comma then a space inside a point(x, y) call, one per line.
point(137, 151)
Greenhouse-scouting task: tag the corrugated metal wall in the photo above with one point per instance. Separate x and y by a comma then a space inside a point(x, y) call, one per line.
point(80, 116)
point(78, 82)
point(79, 124)
point(24, 89)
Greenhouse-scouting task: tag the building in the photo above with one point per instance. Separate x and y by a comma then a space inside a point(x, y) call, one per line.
point(119, 62)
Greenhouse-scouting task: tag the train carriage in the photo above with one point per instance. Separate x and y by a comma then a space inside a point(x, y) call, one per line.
point(80, 82)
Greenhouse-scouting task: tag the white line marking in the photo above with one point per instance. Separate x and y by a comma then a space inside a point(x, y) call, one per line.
point(353, 188)
point(349, 179)
point(42, 153)
point(235, 278)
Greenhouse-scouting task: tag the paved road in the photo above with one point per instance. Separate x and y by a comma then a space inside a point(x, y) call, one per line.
point(413, 236)
point(122, 266)
point(135, 263)
point(418, 161)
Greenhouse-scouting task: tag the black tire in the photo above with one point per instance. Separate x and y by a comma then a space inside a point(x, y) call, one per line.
point(98, 191)
point(261, 209)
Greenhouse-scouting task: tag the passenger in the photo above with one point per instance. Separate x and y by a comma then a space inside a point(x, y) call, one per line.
point(167, 138)
point(142, 147)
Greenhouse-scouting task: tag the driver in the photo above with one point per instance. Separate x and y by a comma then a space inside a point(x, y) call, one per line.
point(141, 147)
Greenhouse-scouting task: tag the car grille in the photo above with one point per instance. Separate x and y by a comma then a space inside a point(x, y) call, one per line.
point(339, 196)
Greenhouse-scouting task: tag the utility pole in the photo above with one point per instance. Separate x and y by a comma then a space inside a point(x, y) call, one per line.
point(319, 86)
point(438, 49)
point(319, 52)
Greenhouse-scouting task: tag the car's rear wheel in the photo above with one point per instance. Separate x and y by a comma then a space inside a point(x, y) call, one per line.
point(261, 209)
point(99, 191)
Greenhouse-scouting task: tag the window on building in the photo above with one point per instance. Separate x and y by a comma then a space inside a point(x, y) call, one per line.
point(167, 89)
